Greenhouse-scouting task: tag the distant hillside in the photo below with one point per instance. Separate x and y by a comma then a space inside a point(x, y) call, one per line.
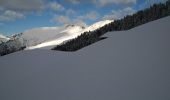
point(46, 37)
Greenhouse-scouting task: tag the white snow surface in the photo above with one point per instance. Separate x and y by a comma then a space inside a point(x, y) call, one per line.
point(128, 65)
point(51, 36)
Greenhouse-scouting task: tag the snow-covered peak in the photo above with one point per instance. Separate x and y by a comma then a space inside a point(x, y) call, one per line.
point(40, 35)
point(54, 36)
point(51, 36)
point(72, 29)
point(98, 25)
point(3, 38)
point(72, 25)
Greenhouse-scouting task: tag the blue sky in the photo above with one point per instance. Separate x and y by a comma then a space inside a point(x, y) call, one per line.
point(19, 15)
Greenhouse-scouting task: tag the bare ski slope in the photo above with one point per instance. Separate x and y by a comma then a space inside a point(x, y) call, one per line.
point(129, 65)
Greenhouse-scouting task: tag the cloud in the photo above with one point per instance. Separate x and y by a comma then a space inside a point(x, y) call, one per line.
point(30, 5)
point(22, 5)
point(17, 9)
point(55, 6)
point(65, 20)
point(61, 19)
point(10, 16)
point(70, 18)
point(92, 15)
point(73, 1)
point(117, 14)
point(118, 2)
point(103, 2)
point(79, 22)
point(70, 12)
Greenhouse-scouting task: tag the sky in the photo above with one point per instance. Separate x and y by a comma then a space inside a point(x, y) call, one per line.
point(16, 16)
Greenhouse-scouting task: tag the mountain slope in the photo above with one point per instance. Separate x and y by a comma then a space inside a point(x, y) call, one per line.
point(67, 34)
point(45, 37)
point(43, 34)
point(97, 25)
point(129, 65)
point(3, 38)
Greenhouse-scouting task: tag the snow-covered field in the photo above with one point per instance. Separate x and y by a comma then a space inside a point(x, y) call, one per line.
point(128, 65)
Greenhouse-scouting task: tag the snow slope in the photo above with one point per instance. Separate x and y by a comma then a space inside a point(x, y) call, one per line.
point(97, 25)
point(43, 34)
point(66, 34)
point(128, 65)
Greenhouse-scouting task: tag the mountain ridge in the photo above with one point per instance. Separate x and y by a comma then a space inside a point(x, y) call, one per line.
point(72, 33)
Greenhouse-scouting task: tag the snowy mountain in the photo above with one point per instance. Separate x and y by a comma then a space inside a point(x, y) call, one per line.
point(45, 37)
point(3, 38)
point(10, 45)
point(128, 65)
point(48, 37)
point(40, 35)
